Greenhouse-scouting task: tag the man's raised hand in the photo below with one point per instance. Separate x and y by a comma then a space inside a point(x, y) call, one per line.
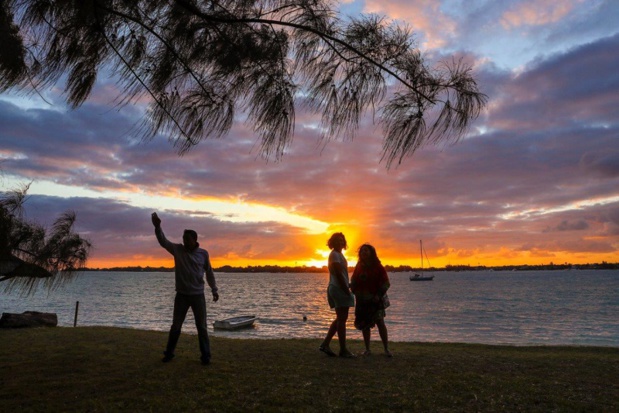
point(156, 220)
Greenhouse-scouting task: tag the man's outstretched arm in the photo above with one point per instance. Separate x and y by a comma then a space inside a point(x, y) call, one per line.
point(163, 241)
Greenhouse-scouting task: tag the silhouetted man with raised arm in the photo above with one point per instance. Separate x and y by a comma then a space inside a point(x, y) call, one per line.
point(190, 264)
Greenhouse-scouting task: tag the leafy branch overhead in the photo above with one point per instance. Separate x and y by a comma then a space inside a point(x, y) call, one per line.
point(201, 62)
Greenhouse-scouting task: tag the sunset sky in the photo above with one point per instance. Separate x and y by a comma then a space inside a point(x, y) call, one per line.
point(535, 181)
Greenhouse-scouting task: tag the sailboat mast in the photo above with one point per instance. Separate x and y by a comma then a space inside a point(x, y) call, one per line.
point(421, 277)
point(421, 254)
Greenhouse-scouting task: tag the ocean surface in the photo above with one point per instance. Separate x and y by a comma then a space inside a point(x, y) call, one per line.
point(577, 307)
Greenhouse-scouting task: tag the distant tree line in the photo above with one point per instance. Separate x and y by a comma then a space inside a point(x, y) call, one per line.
point(390, 268)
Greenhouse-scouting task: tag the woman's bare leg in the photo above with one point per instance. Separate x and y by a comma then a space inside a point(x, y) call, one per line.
point(384, 335)
point(332, 330)
point(342, 318)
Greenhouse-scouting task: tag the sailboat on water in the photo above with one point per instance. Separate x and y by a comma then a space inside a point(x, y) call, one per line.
point(418, 276)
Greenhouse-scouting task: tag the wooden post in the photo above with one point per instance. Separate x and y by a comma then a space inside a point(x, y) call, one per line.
point(77, 306)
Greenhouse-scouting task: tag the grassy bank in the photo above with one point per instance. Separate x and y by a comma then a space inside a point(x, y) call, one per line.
point(110, 369)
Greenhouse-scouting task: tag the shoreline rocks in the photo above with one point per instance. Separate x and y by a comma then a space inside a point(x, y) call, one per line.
point(28, 319)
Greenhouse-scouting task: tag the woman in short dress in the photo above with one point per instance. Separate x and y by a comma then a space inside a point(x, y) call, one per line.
point(370, 283)
point(339, 295)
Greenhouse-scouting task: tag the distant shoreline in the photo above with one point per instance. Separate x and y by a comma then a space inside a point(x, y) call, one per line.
point(389, 268)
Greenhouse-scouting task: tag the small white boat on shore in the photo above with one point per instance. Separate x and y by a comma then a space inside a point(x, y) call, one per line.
point(235, 323)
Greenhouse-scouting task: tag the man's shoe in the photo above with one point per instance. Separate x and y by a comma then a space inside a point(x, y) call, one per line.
point(167, 357)
point(205, 361)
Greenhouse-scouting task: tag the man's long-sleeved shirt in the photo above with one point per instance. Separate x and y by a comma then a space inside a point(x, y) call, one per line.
point(189, 266)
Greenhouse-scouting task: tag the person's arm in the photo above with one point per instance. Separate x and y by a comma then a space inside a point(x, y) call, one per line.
point(210, 278)
point(354, 279)
point(384, 281)
point(338, 268)
point(163, 241)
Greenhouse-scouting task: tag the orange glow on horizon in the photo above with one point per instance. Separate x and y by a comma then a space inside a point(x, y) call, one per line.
point(310, 250)
point(501, 257)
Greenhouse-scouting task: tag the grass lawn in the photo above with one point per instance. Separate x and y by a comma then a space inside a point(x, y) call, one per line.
point(95, 369)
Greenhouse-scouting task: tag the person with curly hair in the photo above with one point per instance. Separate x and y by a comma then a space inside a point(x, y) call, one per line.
point(370, 283)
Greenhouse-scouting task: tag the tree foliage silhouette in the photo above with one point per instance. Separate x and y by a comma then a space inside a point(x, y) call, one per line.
point(202, 62)
point(30, 255)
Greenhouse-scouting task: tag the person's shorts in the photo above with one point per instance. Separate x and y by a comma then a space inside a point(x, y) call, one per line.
point(338, 298)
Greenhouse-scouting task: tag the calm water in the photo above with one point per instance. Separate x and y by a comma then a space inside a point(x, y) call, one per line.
point(543, 307)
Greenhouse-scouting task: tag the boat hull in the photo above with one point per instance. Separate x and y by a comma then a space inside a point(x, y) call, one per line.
point(418, 277)
point(235, 323)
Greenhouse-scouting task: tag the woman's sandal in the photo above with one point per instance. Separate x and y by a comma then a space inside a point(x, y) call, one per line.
point(347, 354)
point(366, 353)
point(327, 351)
